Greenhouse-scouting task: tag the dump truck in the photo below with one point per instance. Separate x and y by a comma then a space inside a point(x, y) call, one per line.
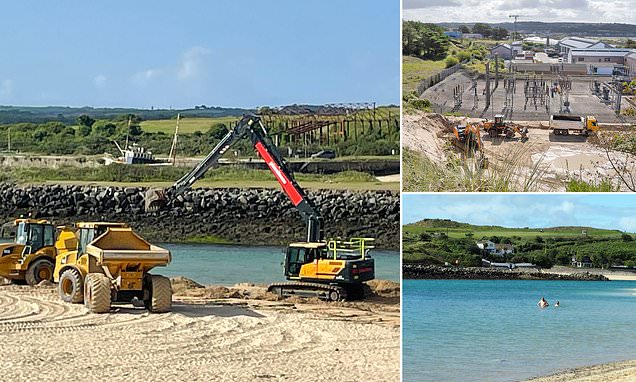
point(330, 270)
point(99, 263)
point(30, 258)
point(566, 124)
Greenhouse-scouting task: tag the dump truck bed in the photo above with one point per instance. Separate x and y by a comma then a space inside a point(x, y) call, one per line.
point(124, 245)
point(567, 122)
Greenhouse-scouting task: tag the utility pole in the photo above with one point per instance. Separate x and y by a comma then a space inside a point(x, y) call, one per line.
point(9, 139)
point(173, 149)
point(514, 33)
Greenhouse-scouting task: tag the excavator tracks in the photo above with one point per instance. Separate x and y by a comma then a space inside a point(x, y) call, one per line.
point(305, 289)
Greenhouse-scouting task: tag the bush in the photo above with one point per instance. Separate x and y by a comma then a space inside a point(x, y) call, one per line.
point(451, 61)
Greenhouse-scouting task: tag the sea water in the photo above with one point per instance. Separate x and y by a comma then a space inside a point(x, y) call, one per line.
point(492, 330)
point(231, 264)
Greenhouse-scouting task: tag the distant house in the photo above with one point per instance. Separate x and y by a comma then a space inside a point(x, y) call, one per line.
point(487, 246)
point(473, 35)
point(495, 249)
point(454, 34)
point(504, 51)
point(504, 249)
point(585, 262)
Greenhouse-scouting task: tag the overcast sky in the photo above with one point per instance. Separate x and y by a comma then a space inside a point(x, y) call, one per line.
point(493, 11)
point(610, 211)
point(162, 53)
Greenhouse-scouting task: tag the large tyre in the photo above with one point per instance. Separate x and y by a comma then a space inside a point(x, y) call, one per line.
point(71, 286)
point(97, 294)
point(39, 270)
point(160, 294)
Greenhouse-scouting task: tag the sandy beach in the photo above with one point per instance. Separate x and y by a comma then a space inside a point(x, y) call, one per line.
point(609, 273)
point(238, 333)
point(610, 372)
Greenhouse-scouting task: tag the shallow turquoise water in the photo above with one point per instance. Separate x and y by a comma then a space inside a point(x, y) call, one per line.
point(492, 330)
point(230, 264)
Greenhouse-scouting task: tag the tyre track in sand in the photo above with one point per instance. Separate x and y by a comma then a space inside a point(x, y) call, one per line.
point(211, 340)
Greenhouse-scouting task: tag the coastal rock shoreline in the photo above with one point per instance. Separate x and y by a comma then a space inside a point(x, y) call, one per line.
point(433, 272)
point(232, 215)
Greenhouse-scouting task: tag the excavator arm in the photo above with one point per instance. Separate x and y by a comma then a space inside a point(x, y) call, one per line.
point(251, 127)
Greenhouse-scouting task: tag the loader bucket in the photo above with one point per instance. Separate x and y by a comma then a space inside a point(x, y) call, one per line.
point(155, 199)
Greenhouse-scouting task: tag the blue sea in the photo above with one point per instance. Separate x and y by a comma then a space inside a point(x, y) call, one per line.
point(231, 264)
point(492, 330)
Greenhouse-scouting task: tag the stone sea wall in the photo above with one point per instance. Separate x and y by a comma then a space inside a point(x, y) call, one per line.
point(245, 216)
point(418, 271)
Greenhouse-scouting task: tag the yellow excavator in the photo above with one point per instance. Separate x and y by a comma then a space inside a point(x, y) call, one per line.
point(99, 263)
point(30, 259)
point(331, 270)
point(499, 127)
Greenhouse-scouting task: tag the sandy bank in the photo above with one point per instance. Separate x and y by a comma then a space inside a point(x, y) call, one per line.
point(238, 333)
point(610, 372)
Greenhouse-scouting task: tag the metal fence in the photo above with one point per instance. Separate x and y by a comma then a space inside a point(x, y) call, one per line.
point(436, 78)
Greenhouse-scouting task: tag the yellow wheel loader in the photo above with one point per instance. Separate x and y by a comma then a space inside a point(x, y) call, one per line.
point(30, 259)
point(100, 263)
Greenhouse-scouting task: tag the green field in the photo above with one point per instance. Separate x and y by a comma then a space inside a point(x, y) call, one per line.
point(165, 176)
point(415, 70)
point(524, 233)
point(438, 241)
point(186, 125)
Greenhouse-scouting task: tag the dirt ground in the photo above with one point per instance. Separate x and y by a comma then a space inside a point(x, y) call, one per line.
point(555, 159)
point(611, 372)
point(238, 333)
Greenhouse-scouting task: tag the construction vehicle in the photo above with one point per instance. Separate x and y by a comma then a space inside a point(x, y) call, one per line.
point(333, 270)
point(99, 263)
point(467, 138)
point(499, 127)
point(30, 259)
point(566, 124)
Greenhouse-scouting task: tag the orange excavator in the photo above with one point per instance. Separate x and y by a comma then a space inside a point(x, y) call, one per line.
point(467, 138)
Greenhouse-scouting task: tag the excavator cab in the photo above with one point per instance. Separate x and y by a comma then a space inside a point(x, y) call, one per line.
point(34, 234)
point(499, 120)
point(31, 257)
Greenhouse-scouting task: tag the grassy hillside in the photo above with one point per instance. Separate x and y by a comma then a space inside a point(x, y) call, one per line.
point(186, 125)
point(458, 230)
point(415, 70)
point(437, 241)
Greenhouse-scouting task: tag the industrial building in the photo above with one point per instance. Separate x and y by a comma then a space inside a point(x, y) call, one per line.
point(567, 44)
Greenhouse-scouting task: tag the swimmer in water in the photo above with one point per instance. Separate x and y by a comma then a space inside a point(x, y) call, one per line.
point(543, 303)
point(557, 304)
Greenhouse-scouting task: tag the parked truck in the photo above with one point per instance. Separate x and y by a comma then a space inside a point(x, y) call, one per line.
point(566, 124)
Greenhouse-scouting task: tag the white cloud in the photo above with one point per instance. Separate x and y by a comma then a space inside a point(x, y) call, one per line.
point(627, 224)
point(415, 4)
point(565, 207)
point(99, 80)
point(494, 11)
point(145, 76)
point(191, 63)
point(6, 88)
